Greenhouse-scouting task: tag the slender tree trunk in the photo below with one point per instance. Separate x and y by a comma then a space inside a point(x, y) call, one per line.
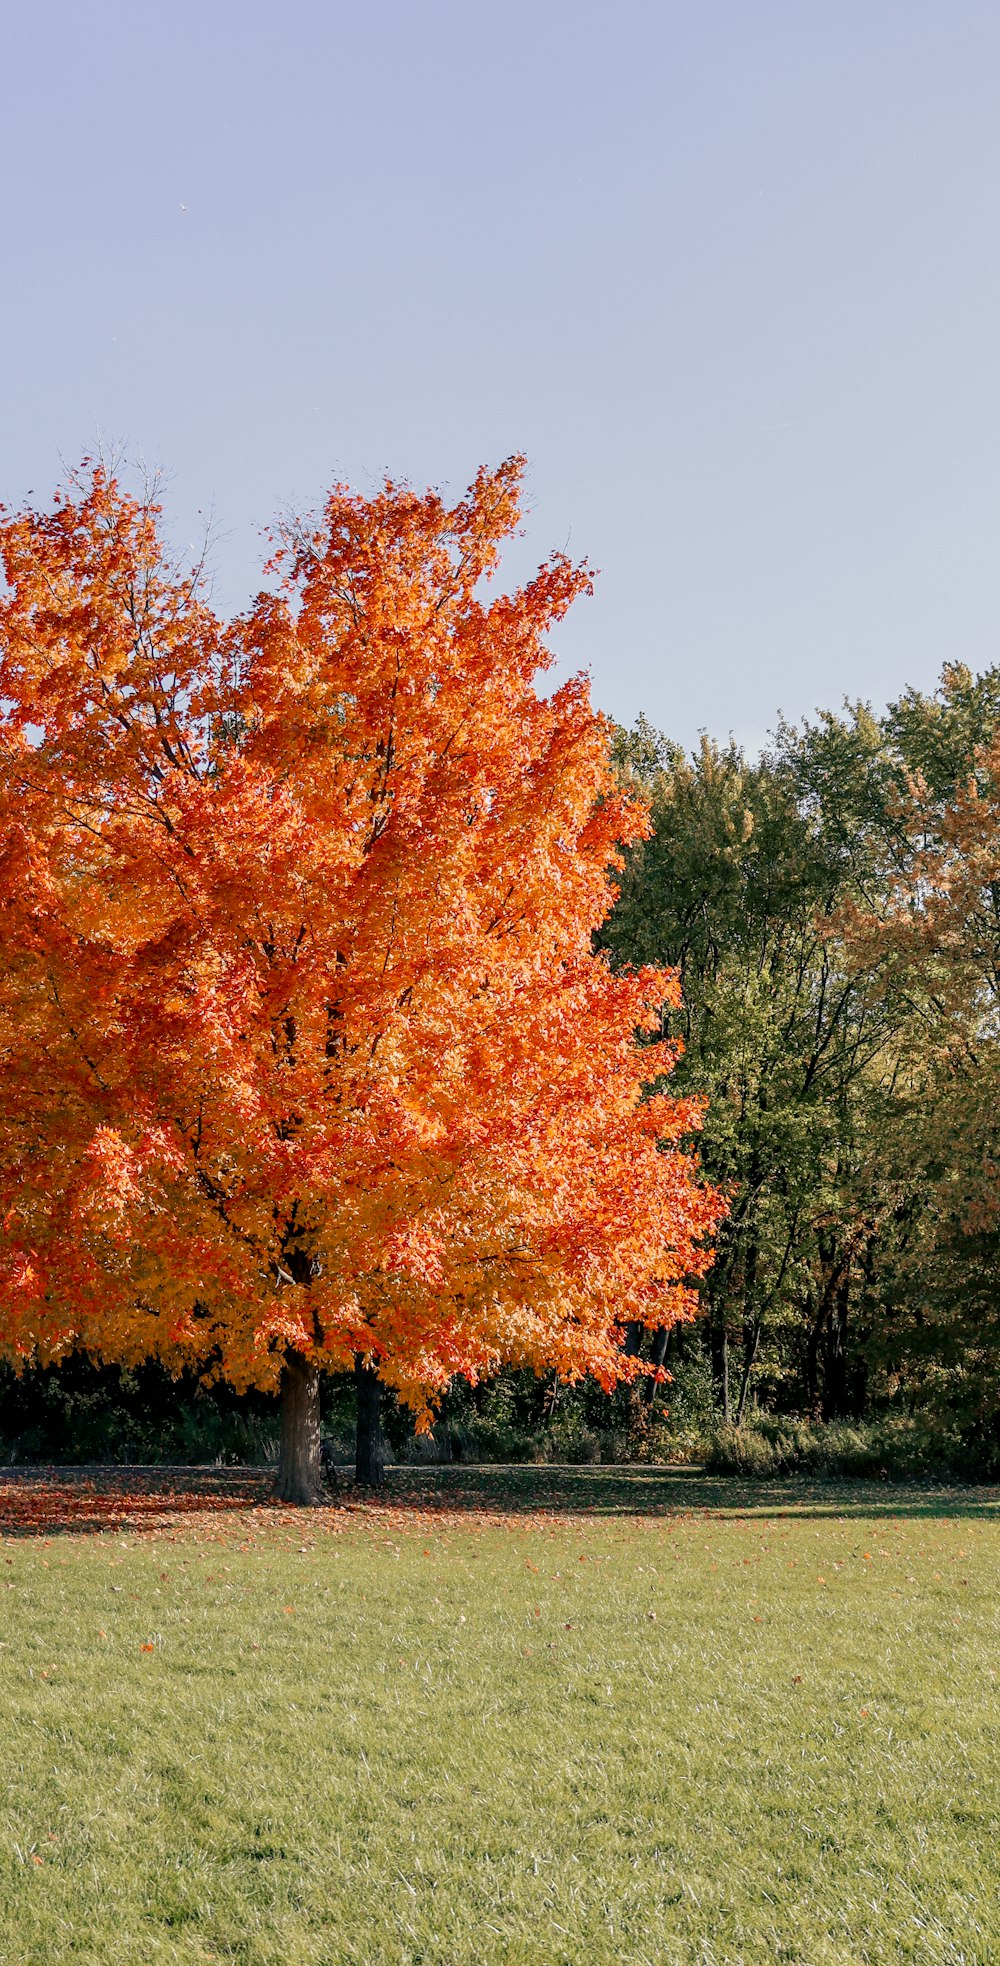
point(369, 1463)
point(657, 1356)
point(869, 1295)
point(299, 1477)
point(835, 1390)
point(816, 1315)
point(751, 1329)
point(751, 1340)
point(719, 1343)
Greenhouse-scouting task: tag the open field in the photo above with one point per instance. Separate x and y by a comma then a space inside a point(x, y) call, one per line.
point(529, 1715)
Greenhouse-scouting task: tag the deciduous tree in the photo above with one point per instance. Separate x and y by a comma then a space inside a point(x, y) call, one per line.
point(306, 1060)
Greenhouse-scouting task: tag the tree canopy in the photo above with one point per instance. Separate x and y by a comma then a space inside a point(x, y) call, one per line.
point(831, 909)
point(306, 1056)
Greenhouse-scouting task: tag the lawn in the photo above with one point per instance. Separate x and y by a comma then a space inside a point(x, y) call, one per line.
point(529, 1716)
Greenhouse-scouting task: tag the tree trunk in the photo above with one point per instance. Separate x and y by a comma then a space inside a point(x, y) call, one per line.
point(369, 1465)
point(720, 1363)
point(751, 1340)
point(657, 1356)
point(835, 1389)
point(751, 1329)
point(299, 1477)
point(719, 1343)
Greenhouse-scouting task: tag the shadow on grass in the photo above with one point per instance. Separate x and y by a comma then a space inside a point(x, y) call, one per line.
point(655, 1491)
point(48, 1501)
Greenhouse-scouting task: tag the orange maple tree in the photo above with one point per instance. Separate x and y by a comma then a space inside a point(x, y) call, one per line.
point(306, 1061)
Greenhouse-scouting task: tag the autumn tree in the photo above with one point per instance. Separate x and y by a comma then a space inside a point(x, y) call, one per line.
point(306, 1059)
point(936, 938)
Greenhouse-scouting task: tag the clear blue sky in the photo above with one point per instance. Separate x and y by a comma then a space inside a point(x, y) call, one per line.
point(728, 271)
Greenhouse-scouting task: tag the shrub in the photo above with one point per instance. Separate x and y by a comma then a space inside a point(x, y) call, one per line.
point(570, 1439)
point(899, 1447)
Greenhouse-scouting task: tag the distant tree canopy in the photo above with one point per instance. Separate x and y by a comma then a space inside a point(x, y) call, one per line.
point(833, 910)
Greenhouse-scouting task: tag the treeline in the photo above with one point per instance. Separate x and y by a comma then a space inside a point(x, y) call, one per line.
point(833, 909)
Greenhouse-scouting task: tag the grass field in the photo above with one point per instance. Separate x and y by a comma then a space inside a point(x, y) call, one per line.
point(529, 1716)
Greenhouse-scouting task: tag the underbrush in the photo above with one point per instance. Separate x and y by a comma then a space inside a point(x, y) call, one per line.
point(897, 1448)
point(515, 1420)
point(79, 1413)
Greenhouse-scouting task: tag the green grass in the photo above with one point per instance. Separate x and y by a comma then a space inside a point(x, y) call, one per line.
point(529, 1715)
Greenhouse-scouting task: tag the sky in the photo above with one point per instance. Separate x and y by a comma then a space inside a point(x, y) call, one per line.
point(727, 271)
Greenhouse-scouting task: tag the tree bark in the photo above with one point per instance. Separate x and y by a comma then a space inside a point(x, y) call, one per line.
point(835, 1388)
point(299, 1478)
point(369, 1461)
point(814, 1317)
point(719, 1343)
point(751, 1328)
point(751, 1340)
point(657, 1356)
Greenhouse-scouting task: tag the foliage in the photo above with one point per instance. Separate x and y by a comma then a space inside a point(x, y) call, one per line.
point(80, 1413)
point(901, 1447)
point(304, 1048)
point(936, 936)
point(841, 1117)
point(318, 1041)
